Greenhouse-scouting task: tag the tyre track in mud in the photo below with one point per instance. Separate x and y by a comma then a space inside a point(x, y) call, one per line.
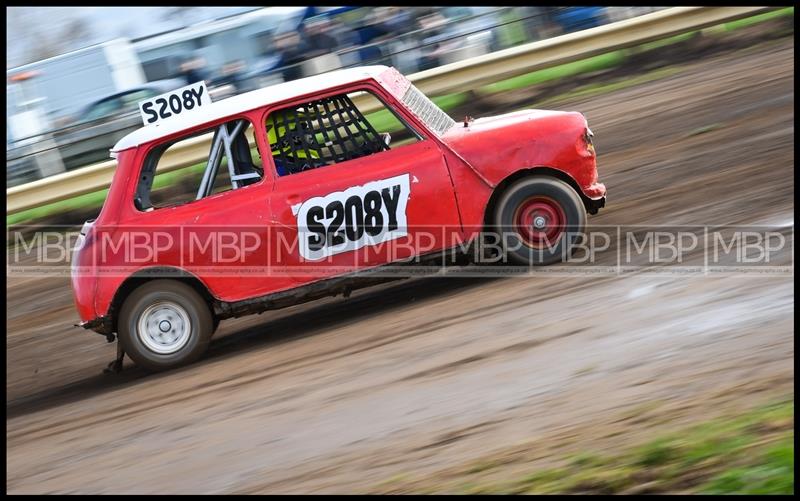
point(241, 379)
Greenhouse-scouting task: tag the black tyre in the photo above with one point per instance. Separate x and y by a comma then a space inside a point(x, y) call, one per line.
point(164, 324)
point(540, 219)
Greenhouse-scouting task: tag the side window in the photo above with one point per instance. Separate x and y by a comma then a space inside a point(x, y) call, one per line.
point(233, 162)
point(332, 130)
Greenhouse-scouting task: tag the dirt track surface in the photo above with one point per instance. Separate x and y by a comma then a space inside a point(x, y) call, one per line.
point(413, 379)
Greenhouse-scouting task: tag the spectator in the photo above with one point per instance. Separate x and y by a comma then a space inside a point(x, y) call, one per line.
point(293, 50)
point(319, 38)
point(193, 70)
point(231, 74)
point(432, 45)
point(369, 36)
point(344, 34)
point(395, 21)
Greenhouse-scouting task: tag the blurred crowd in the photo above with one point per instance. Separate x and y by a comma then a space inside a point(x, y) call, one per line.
point(409, 38)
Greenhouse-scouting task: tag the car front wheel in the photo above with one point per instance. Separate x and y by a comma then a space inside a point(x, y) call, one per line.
point(540, 219)
point(164, 324)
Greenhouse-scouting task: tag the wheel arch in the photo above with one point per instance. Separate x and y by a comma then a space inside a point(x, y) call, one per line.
point(145, 275)
point(523, 173)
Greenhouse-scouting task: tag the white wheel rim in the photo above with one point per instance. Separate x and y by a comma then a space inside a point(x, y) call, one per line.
point(164, 327)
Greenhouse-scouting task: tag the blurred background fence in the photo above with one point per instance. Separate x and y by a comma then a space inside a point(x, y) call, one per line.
point(65, 112)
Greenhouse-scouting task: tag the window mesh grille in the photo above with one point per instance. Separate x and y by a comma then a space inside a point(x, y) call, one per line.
point(321, 132)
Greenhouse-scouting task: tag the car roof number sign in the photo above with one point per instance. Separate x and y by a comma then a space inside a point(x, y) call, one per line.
point(177, 102)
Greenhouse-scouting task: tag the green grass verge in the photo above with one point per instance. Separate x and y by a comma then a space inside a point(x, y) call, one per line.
point(589, 65)
point(749, 454)
point(749, 21)
point(656, 44)
point(603, 88)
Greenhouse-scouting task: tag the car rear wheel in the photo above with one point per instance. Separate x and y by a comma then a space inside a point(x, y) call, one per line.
point(164, 324)
point(540, 219)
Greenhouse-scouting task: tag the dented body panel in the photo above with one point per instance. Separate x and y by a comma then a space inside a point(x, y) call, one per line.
point(496, 148)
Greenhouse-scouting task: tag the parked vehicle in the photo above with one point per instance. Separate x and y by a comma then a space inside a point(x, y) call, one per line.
point(92, 131)
point(311, 188)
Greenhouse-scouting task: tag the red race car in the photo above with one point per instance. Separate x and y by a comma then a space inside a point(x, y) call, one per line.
point(306, 189)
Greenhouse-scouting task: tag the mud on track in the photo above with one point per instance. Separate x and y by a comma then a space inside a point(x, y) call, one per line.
point(417, 377)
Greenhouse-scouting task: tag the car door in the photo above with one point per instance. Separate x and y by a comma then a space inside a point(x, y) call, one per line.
point(358, 212)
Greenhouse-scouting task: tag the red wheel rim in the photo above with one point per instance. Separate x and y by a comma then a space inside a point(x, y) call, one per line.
point(539, 221)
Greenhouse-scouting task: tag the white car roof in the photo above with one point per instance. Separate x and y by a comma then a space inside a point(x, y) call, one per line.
point(246, 102)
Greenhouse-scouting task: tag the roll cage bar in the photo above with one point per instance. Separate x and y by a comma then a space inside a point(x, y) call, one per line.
point(229, 141)
point(240, 165)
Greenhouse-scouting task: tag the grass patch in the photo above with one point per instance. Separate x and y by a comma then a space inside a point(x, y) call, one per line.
point(760, 18)
point(656, 453)
point(592, 90)
point(773, 475)
point(596, 63)
point(169, 178)
point(748, 454)
point(657, 44)
point(585, 459)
